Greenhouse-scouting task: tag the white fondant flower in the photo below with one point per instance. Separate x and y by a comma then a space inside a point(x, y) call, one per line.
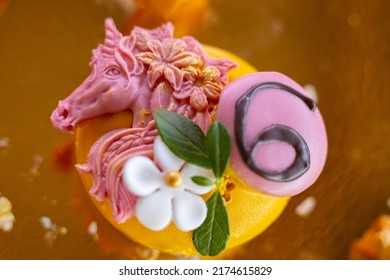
point(169, 194)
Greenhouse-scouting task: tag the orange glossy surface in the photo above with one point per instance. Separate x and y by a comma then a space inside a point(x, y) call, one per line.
point(341, 47)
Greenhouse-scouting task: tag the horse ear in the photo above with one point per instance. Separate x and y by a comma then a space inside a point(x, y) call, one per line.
point(126, 46)
point(113, 36)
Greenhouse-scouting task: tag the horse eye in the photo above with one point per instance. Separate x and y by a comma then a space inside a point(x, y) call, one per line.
point(113, 72)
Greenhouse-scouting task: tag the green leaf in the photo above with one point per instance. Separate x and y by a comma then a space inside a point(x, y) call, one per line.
point(218, 146)
point(183, 137)
point(202, 181)
point(212, 236)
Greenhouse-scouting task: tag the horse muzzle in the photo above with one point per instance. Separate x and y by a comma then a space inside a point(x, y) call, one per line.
point(61, 118)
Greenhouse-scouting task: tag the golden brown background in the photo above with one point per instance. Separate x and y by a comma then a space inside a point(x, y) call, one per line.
point(341, 47)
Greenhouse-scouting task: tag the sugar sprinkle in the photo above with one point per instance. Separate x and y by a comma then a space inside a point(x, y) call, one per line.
point(52, 231)
point(190, 258)
point(46, 222)
point(93, 230)
point(307, 206)
point(147, 253)
point(37, 162)
point(7, 218)
point(4, 142)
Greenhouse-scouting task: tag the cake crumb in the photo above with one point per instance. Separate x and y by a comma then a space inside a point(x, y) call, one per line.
point(4, 142)
point(93, 230)
point(311, 91)
point(63, 231)
point(37, 162)
point(306, 207)
point(277, 27)
point(7, 218)
point(50, 236)
point(189, 258)
point(147, 253)
point(46, 222)
point(51, 201)
point(52, 231)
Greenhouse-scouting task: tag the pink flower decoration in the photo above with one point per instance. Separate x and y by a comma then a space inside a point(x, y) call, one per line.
point(202, 83)
point(165, 60)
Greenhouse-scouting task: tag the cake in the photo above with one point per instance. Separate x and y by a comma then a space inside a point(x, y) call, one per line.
point(186, 148)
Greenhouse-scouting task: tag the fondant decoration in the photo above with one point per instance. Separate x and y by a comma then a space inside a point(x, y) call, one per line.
point(167, 194)
point(142, 72)
point(279, 142)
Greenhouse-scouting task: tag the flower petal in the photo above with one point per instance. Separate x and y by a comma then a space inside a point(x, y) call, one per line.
point(212, 90)
point(166, 159)
point(198, 100)
point(166, 49)
point(185, 91)
point(155, 46)
point(147, 57)
point(174, 75)
point(211, 73)
point(155, 210)
point(173, 49)
point(155, 71)
point(141, 176)
point(189, 210)
point(204, 120)
point(190, 170)
point(186, 59)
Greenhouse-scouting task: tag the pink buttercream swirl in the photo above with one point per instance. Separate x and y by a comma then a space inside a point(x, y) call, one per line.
point(142, 72)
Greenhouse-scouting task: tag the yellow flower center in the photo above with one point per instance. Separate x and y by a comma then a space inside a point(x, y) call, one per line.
point(173, 179)
point(206, 75)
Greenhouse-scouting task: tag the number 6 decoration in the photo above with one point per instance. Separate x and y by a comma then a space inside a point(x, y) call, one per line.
point(279, 142)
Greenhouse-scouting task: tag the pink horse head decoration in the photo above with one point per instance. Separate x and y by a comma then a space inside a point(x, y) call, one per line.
point(142, 72)
point(111, 87)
